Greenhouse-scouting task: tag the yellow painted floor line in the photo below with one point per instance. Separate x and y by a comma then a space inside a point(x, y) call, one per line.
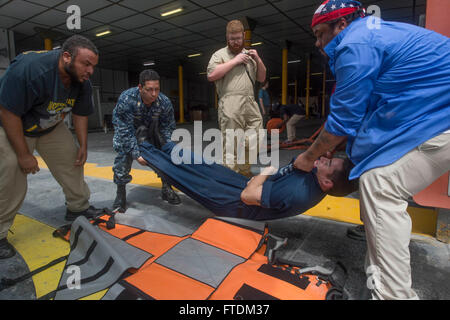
point(38, 250)
point(424, 220)
point(332, 208)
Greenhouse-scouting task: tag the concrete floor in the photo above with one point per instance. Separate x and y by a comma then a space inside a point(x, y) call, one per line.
point(311, 240)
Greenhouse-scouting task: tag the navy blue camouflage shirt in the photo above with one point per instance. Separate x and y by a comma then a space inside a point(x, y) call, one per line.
point(130, 113)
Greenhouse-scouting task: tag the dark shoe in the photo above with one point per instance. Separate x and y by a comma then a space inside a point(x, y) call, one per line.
point(6, 249)
point(169, 195)
point(89, 213)
point(120, 203)
point(357, 233)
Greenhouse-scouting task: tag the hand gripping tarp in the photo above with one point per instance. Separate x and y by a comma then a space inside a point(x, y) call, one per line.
point(198, 180)
point(140, 256)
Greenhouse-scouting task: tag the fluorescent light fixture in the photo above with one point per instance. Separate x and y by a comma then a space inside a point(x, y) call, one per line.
point(149, 63)
point(294, 61)
point(57, 47)
point(168, 13)
point(316, 74)
point(256, 44)
point(194, 55)
point(103, 33)
point(273, 78)
point(201, 73)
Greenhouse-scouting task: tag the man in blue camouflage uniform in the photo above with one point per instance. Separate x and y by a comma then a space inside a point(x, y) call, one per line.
point(140, 107)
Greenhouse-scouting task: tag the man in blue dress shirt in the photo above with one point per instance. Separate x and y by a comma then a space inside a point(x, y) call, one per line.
point(392, 103)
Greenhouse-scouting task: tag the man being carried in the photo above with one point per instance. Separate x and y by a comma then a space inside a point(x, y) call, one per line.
point(286, 193)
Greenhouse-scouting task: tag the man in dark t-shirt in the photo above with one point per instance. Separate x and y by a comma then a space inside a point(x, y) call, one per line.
point(38, 89)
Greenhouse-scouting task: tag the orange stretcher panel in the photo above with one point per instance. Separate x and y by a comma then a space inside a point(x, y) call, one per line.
point(435, 195)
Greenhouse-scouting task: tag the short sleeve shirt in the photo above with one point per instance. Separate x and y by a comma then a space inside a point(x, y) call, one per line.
point(289, 192)
point(32, 89)
point(237, 80)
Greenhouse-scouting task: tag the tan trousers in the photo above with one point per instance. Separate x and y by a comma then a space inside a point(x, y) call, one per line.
point(291, 126)
point(238, 112)
point(59, 151)
point(384, 192)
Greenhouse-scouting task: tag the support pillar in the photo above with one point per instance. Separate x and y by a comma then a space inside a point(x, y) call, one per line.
point(284, 76)
point(48, 44)
point(247, 39)
point(181, 93)
point(284, 72)
point(308, 84)
point(249, 26)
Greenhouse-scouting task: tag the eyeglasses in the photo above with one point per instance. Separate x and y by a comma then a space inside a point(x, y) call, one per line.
point(240, 39)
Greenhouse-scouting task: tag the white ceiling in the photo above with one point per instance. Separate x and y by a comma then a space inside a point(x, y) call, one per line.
point(139, 33)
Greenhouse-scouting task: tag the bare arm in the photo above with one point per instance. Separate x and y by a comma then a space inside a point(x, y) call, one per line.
point(12, 124)
point(80, 124)
point(251, 195)
point(324, 143)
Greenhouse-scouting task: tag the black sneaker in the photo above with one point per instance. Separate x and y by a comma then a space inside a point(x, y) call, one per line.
point(357, 233)
point(169, 195)
point(6, 249)
point(120, 203)
point(89, 213)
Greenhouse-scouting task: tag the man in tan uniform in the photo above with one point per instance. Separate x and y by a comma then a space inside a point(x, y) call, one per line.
point(235, 71)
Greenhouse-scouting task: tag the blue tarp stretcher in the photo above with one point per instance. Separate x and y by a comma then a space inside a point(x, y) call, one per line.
point(287, 193)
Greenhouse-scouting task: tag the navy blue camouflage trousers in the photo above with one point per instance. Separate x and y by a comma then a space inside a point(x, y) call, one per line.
point(122, 168)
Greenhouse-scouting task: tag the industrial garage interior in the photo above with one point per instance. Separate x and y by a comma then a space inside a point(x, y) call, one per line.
point(177, 39)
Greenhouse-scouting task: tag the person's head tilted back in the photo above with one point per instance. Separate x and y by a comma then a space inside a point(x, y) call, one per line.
point(333, 174)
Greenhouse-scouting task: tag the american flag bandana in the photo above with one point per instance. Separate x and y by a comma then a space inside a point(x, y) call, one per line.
point(333, 9)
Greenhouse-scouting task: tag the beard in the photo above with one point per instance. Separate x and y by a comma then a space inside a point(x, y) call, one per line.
point(236, 50)
point(70, 70)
